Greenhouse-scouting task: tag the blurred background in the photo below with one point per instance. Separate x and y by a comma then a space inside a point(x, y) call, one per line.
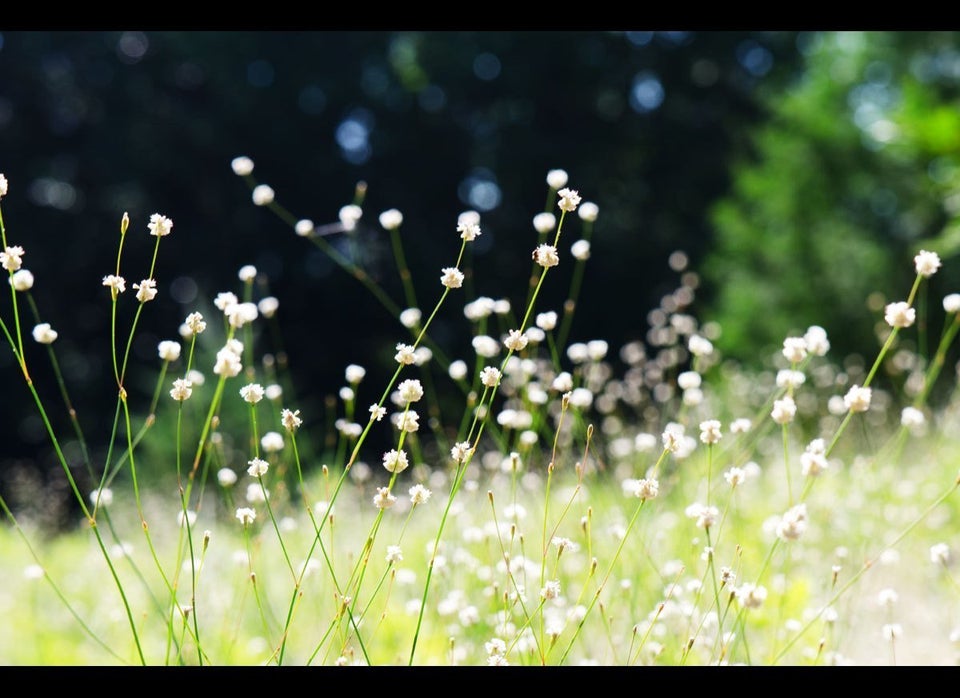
point(798, 172)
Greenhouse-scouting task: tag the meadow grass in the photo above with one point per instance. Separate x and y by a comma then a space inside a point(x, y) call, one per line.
point(650, 504)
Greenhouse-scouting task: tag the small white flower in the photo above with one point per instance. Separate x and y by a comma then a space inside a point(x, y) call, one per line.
point(159, 225)
point(469, 231)
point(146, 290)
point(227, 363)
point(116, 284)
point(410, 390)
point(940, 554)
point(452, 277)
point(485, 346)
point(410, 317)
point(794, 349)
point(458, 370)
point(349, 215)
point(226, 477)
point(515, 341)
point(710, 431)
point(257, 467)
point(44, 334)
point(241, 165)
point(404, 354)
point(240, 314)
point(408, 421)
point(544, 222)
point(460, 451)
point(169, 350)
point(787, 378)
point(899, 314)
point(395, 461)
point(247, 273)
point(588, 211)
point(912, 417)
point(246, 515)
point(391, 219)
point(195, 323)
point(672, 437)
point(546, 256)
point(304, 227)
point(290, 420)
point(581, 250)
point(735, 476)
point(751, 595)
point(419, 494)
point(547, 321)
point(689, 379)
point(182, 389)
point(490, 377)
point(271, 442)
point(268, 306)
point(951, 303)
point(569, 199)
point(705, 516)
point(22, 280)
point(3, 186)
point(550, 590)
point(784, 410)
point(354, 374)
point(383, 499)
point(699, 346)
point(262, 195)
point(394, 554)
point(557, 179)
point(740, 426)
point(926, 263)
point(793, 523)
point(377, 412)
point(857, 399)
point(816, 340)
point(101, 497)
point(11, 259)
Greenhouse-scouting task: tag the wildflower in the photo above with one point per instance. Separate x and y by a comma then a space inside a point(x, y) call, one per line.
point(410, 317)
point(740, 426)
point(22, 280)
point(581, 250)
point(556, 179)
point(227, 363)
point(377, 412)
point(268, 306)
point(899, 314)
point(735, 476)
point(226, 477)
point(710, 431)
point(793, 523)
point(597, 349)
point(354, 374)
point(784, 410)
point(588, 211)
point(273, 392)
point(258, 467)
point(515, 341)
point(11, 258)
point(794, 349)
point(706, 516)
point(951, 303)
point(247, 273)
point(169, 350)
point(546, 256)
point(813, 460)
point(256, 494)
point(404, 354)
point(394, 554)
point(3, 186)
point(490, 377)
point(182, 389)
point(546, 321)
point(544, 222)
point(349, 215)
point(391, 219)
point(419, 494)
point(262, 195)
point(816, 340)
point(271, 442)
point(410, 390)
point(239, 314)
point(101, 497)
point(647, 488)
point(195, 323)
point(246, 515)
point(460, 451)
point(551, 590)
point(940, 554)
point(485, 346)
point(395, 461)
point(290, 420)
point(408, 421)
point(672, 436)
point(569, 199)
point(479, 309)
point(304, 227)
point(458, 370)
point(469, 231)
point(857, 399)
point(44, 334)
point(751, 595)
point(787, 378)
point(383, 499)
point(688, 380)
point(699, 346)
point(912, 417)
point(452, 277)
point(242, 165)
point(159, 225)
point(117, 284)
point(146, 290)
point(926, 263)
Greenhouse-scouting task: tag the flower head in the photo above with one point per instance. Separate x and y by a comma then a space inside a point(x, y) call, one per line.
point(419, 494)
point(951, 303)
point(395, 461)
point(410, 390)
point(21, 280)
point(44, 334)
point(182, 389)
point(515, 341)
point(469, 231)
point(899, 314)
point(169, 350)
point(404, 354)
point(195, 323)
point(354, 374)
point(581, 250)
point(257, 467)
point(242, 165)
point(710, 431)
point(391, 219)
point(784, 410)
point(262, 195)
point(252, 393)
point(546, 256)
point(460, 451)
point(452, 277)
point(857, 399)
point(10, 258)
point(588, 211)
point(490, 377)
point(3, 186)
point(146, 290)
point(383, 499)
point(699, 346)
point(816, 340)
point(569, 199)
point(926, 263)
point(557, 178)
point(246, 515)
point(544, 222)
point(116, 284)
point(290, 420)
point(159, 225)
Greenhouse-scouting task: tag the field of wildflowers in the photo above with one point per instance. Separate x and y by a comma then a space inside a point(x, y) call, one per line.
point(546, 500)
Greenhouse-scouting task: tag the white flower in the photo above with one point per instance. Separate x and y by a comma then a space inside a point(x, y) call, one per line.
point(101, 497)
point(793, 523)
point(452, 277)
point(857, 399)
point(706, 516)
point(750, 595)
point(581, 250)
point(252, 393)
point(383, 499)
point(469, 231)
point(377, 412)
point(3, 186)
point(404, 354)
point(227, 363)
point(546, 256)
point(354, 374)
point(182, 389)
point(268, 306)
point(699, 346)
point(262, 195)
point(478, 309)
point(349, 215)
point(544, 222)
point(410, 317)
point(391, 219)
point(688, 380)
point(710, 431)
point(926, 263)
point(241, 165)
point(672, 437)
point(485, 346)
point(290, 420)
point(159, 225)
point(460, 451)
point(11, 258)
point(419, 494)
point(410, 390)
point(515, 341)
point(551, 590)
point(246, 515)
point(304, 227)
point(784, 410)
point(647, 488)
point(794, 349)
point(940, 554)
point(274, 391)
point(458, 369)
point(247, 273)
point(588, 211)
point(239, 314)
point(225, 299)
point(813, 460)
point(117, 284)
point(169, 350)
point(256, 494)
point(899, 314)
point(740, 426)
point(912, 417)
point(556, 179)
point(146, 290)
point(195, 323)
point(44, 334)
point(257, 467)
point(951, 303)
point(547, 321)
point(22, 280)
point(271, 442)
point(816, 340)
point(408, 421)
point(787, 378)
point(490, 377)
point(226, 477)
point(569, 199)
point(394, 554)
point(735, 476)
point(395, 461)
